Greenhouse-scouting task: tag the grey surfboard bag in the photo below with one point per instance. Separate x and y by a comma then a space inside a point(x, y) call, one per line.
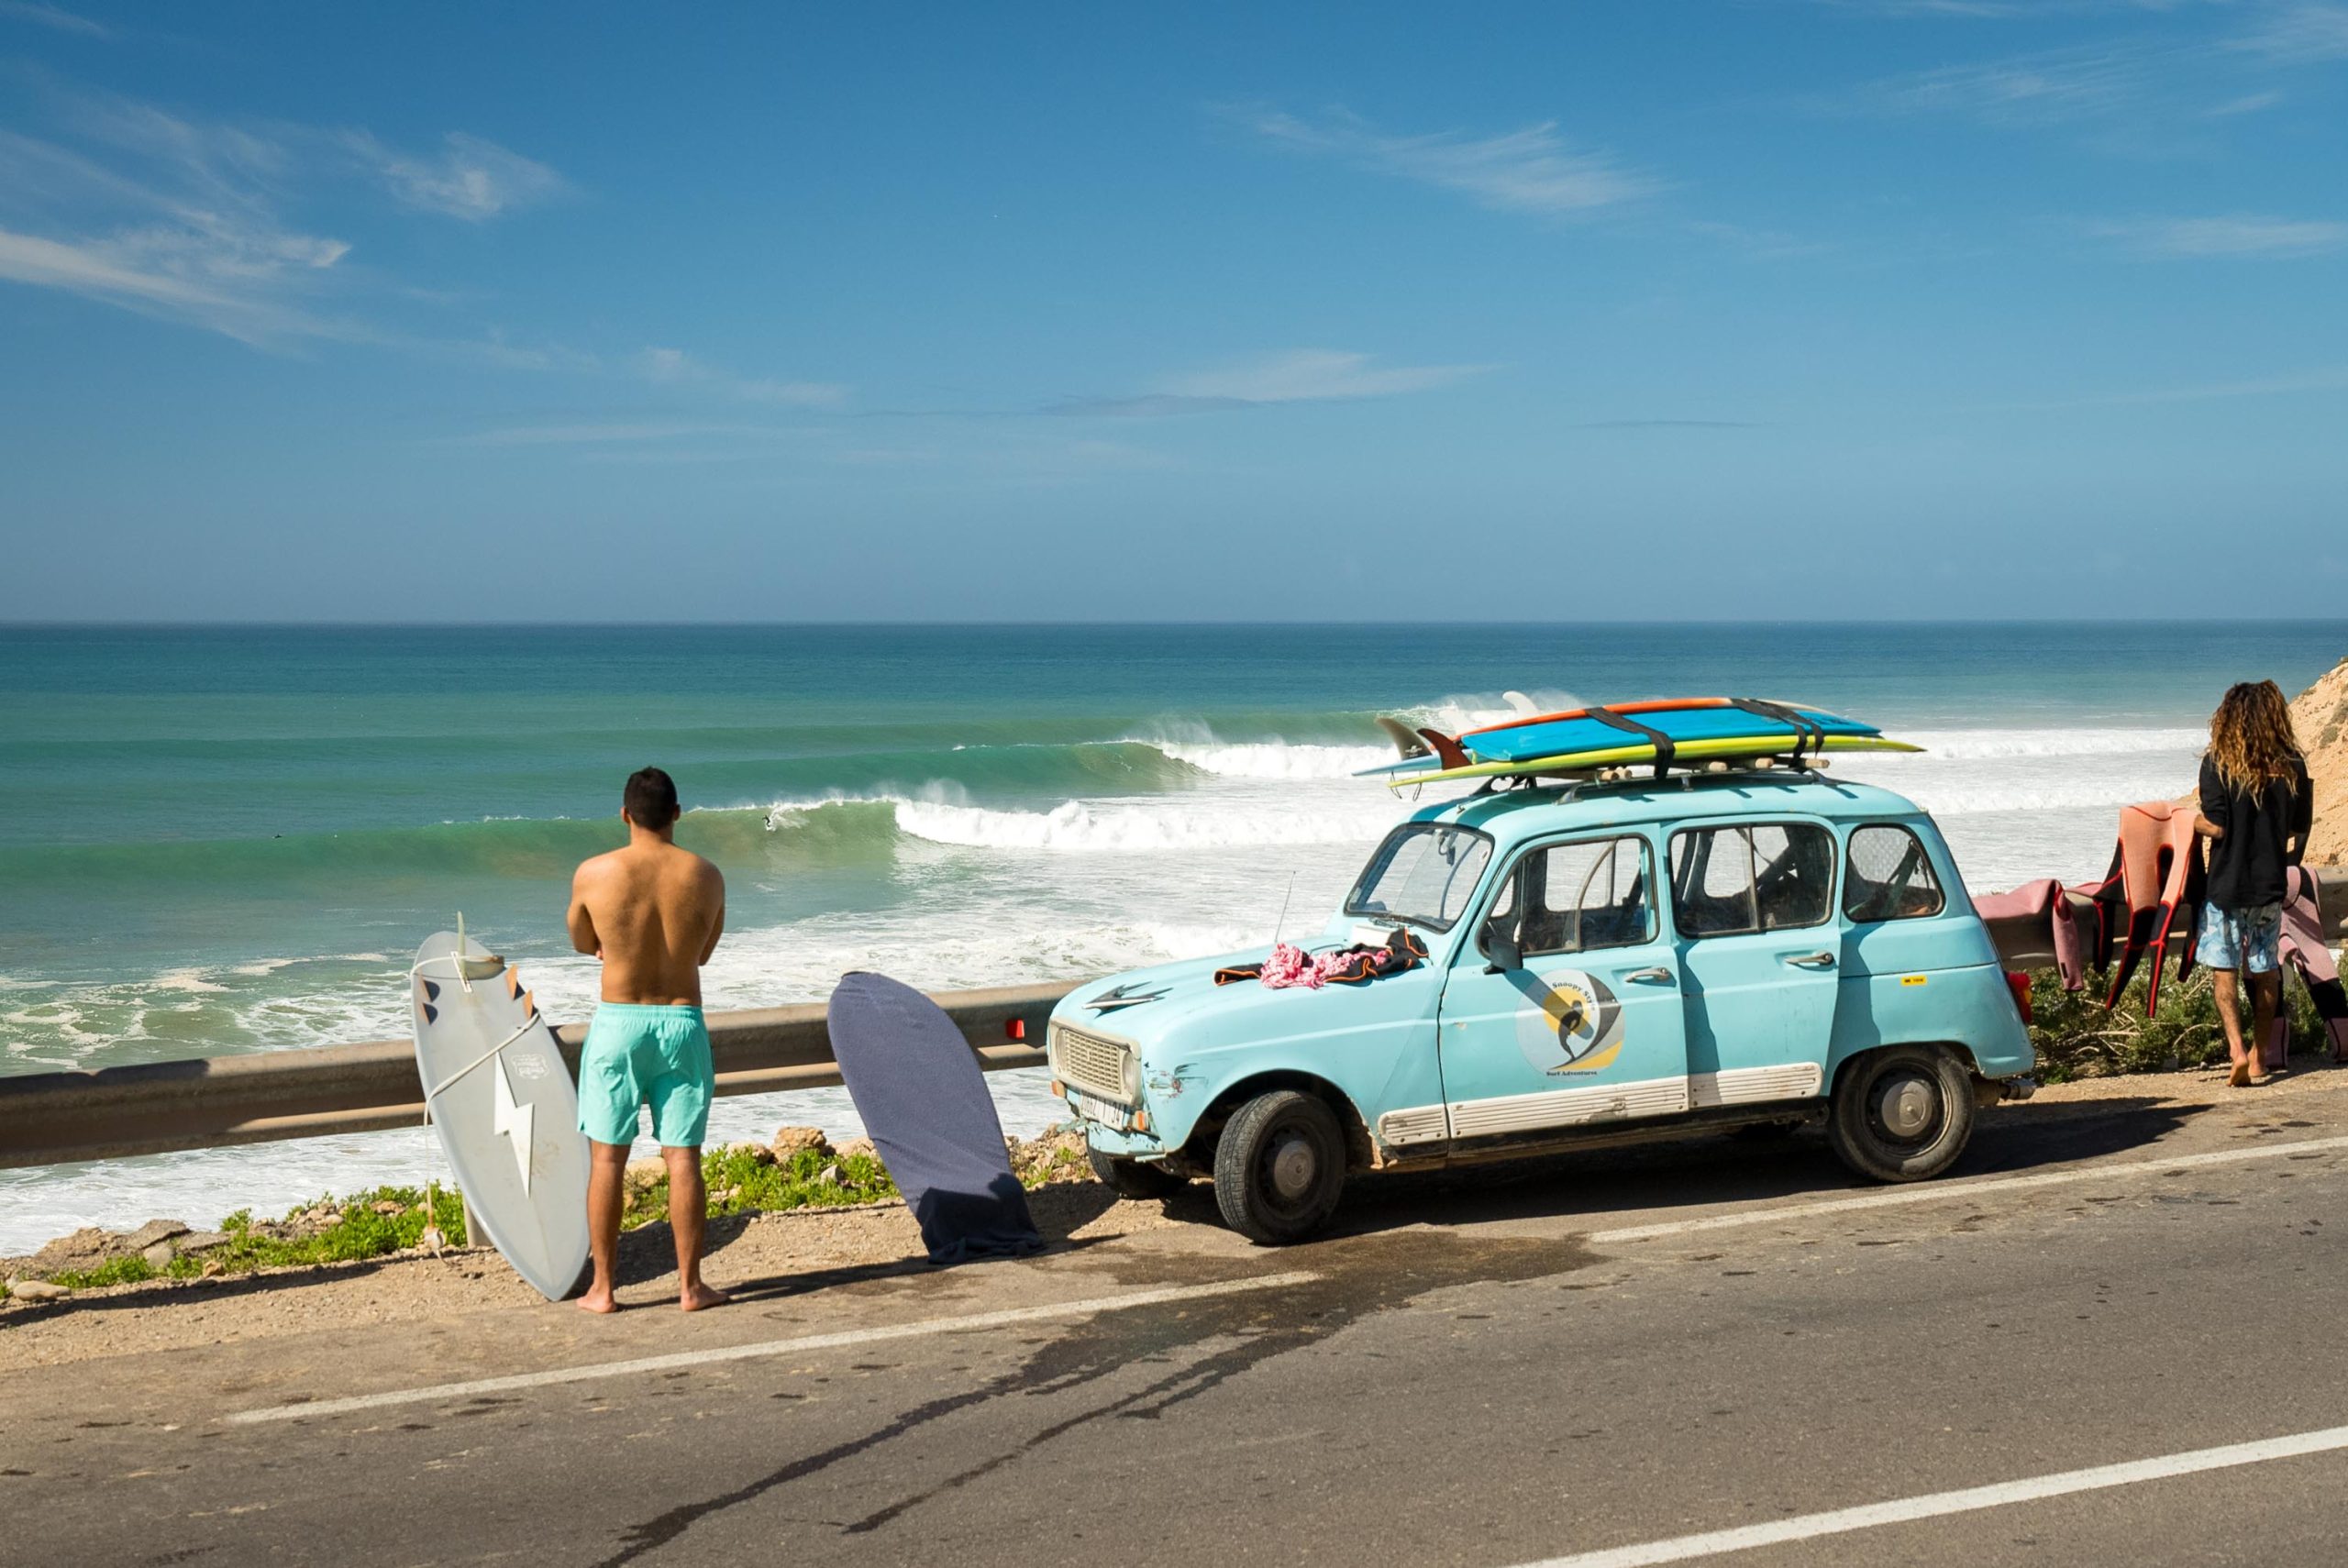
point(926, 1109)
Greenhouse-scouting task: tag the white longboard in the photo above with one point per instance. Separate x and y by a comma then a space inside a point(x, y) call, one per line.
point(504, 1108)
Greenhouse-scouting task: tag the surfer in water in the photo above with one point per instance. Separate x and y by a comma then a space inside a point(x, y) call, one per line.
point(652, 912)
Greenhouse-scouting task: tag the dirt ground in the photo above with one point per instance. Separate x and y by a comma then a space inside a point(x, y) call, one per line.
point(811, 1246)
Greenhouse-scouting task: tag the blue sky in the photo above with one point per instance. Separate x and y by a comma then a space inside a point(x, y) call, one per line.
point(1783, 308)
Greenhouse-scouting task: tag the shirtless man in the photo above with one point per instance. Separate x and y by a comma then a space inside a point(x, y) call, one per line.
point(652, 912)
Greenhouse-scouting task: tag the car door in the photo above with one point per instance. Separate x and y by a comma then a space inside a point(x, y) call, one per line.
point(1584, 1024)
point(1759, 948)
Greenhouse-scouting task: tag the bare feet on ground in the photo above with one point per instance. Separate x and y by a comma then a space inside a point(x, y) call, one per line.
point(598, 1299)
point(698, 1296)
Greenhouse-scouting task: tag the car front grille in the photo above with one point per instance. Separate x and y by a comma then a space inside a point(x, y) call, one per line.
point(1090, 1063)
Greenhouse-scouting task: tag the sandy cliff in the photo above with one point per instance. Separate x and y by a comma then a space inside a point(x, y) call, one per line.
point(2321, 715)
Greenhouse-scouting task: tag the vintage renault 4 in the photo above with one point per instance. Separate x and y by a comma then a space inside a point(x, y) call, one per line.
point(1602, 964)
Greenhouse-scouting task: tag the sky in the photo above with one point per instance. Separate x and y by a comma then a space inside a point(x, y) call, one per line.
point(1777, 309)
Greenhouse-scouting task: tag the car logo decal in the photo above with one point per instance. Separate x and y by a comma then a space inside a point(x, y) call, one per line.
point(1576, 1028)
point(1123, 997)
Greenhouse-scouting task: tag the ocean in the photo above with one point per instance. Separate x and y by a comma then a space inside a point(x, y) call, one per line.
point(217, 840)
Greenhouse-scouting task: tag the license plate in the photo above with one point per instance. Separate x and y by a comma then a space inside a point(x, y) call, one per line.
point(1093, 1108)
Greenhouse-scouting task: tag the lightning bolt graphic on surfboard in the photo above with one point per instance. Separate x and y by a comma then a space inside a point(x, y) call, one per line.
point(513, 1120)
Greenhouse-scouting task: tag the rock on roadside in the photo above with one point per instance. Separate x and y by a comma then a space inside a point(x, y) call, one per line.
point(790, 1143)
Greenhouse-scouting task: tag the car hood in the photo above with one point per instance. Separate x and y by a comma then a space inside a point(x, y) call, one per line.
point(1146, 1005)
point(1178, 1006)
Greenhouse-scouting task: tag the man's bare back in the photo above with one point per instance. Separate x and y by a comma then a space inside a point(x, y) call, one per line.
point(653, 912)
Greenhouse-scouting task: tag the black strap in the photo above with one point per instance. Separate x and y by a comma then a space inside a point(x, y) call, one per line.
point(1810, 735)
point(1613, 720)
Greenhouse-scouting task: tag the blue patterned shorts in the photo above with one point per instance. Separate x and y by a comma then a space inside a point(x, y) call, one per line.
point(2240, 939)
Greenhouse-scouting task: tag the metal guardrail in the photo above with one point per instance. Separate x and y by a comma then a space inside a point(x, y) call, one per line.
point(204, 1102)
point(215, 1101)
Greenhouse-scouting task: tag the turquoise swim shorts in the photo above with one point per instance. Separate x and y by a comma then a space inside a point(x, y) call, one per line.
point(638, 1055)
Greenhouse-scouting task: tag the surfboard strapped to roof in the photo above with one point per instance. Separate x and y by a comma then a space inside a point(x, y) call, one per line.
point(1687, 733)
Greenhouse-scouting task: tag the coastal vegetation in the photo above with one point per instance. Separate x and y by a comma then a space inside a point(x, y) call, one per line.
point(2076, 1038)
point(799, 1170)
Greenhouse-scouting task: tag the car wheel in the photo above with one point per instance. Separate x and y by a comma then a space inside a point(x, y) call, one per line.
point(1278, 1167)
point(1902, 1114)
point(1131, 1178)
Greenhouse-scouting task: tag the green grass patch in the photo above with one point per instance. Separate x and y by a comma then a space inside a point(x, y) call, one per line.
point(2076, 1038)
point(741, 1181)
point(359, 1232)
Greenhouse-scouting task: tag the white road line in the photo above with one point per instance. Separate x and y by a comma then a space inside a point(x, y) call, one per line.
point(1934, 1505)
point(1950, 1191)
point(1083, 1309)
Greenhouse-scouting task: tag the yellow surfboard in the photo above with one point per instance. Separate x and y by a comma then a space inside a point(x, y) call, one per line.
point(1715, 748)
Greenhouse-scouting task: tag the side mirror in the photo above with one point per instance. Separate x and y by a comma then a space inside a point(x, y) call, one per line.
point(1504, 950)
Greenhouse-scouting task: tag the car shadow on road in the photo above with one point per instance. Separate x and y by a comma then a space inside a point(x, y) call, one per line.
point(1601, 1184)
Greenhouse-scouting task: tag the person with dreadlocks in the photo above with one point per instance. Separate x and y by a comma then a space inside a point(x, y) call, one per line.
point(2257, 808)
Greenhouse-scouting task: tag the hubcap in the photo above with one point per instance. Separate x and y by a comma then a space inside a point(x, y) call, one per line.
point(1295, 1166)
point(1906, 1106)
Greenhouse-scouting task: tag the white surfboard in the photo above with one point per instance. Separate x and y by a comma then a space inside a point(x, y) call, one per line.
point(504, 1108)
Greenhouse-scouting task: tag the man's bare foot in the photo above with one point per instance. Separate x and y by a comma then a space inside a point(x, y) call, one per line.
point(697, 1296)
point(598, 1300)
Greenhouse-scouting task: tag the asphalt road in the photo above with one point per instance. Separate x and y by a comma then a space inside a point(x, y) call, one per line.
point(1607, 1355)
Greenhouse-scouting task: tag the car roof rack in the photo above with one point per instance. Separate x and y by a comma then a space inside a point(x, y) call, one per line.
point(1642, 776)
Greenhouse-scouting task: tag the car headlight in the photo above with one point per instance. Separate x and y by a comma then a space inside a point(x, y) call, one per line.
point(1133, 1078)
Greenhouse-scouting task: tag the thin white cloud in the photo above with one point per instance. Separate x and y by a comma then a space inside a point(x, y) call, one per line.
point(2035, 88)
point(674, 366)
point(2298, 34)
point(2235, 236)
point(2331, 378)
point(187, 220)
point(1532, 169)
point(1299, 375)
point(53, 17)
point(1311, 375)
point(2248, 104)
point(164, 273)
point(599, 435)
point(470, 178)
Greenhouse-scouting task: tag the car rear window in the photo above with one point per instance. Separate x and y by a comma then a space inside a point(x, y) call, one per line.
point(1890, 876)
point(1728, 881)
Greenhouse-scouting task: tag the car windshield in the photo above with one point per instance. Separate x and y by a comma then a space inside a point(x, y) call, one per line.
point(1423, 873)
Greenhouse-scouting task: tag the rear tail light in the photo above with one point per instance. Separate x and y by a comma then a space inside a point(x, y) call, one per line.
point(1015, 1028)
point(2019, 983)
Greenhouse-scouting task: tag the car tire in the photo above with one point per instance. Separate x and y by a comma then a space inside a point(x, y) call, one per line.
point(1278, 1167)
point(1131, 1178)
point(1903, 1113)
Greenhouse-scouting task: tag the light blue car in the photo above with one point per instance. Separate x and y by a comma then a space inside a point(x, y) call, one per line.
point(1604, 964)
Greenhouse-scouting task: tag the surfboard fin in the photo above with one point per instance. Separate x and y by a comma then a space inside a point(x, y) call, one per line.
point(1447, 752)
point(1406, 740)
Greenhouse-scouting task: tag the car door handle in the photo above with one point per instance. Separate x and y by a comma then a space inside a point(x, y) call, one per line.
point(1819, 960)
point(1658, 976)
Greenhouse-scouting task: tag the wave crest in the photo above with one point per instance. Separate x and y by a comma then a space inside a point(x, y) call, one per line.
point(1142, 826)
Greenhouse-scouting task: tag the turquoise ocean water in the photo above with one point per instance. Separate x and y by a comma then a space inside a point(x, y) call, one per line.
point(216, 840)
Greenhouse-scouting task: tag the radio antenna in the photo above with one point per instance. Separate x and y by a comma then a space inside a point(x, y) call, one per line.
point(1279, 925)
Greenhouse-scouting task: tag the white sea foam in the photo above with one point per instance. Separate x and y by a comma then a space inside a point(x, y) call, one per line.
point(1133, 824)
point(1276, 759)
point(1969, 745)
point(1473, 710)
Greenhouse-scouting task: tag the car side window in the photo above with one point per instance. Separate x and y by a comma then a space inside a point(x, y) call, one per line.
point(1726, 881)
point(1890, 876)
point(1577, 897)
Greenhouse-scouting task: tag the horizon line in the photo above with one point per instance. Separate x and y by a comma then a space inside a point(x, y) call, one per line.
point(1203, 623)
